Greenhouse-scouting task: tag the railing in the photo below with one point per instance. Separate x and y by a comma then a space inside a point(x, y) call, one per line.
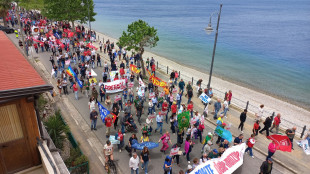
point(239, 103)
point(80, 169)
point(48, 157)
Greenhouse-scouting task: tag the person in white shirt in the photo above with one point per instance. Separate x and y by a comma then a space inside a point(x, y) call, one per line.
point(150, 107)
point(225, 108)
point(204, 158)
point(134, 163)
point(108, 151)
point(259, 115)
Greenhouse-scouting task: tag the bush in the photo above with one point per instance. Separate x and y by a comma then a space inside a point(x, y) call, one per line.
point(76, 158)
point(56, 129)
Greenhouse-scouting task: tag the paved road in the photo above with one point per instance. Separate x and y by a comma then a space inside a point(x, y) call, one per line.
point(157, 158)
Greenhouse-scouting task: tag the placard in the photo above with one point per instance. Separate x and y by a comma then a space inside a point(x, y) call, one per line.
point(117, 98)
point(151, 95)
point(151, 116)
point(175, 90)
point(162, 94)
point(204, 98)
point(174, 151)
point(130, 84)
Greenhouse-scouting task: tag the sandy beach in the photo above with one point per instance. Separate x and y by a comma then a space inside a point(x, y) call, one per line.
point(292, 115)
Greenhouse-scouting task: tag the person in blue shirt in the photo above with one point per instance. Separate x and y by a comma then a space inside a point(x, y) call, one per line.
point(238, 140)
point(168, 165)
point(217, 107)
point(181, 86)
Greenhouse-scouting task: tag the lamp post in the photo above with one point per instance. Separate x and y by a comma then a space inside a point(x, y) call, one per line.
point(82, 4)
point(209, 30)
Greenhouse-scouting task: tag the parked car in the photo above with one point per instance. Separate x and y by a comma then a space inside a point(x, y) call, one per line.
point(6, 29)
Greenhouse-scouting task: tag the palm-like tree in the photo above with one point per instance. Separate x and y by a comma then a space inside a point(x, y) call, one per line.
point(5, 5)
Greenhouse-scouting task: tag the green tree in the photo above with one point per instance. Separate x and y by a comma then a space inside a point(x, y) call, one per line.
point(138, 36)
point(5, 5)
point(56, 129)
point(69, 10)
point(32, 4)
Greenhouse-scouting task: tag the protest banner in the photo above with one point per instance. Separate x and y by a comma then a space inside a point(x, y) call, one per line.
point(223, 133)
point(134, 69)
point(174, 151)
point(204, 98)
point(117, 98)
point(130, 84)
point(175, 90)
point(304, 145)
point(282, 142)
point(115, 86)
point(113, 140)
point(151, 116)
point(230, 161)
point(157, 81)
point(151, 95)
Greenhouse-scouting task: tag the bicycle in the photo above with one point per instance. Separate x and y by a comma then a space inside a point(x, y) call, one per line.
point(110, 166)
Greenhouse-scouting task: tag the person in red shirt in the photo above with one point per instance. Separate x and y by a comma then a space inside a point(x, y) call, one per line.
point(153, 69)
point(276, 123)
point(165, 109)
point(174, 108)
point(120, 137)
point(108, 123)
point(122, 71)
point(229, 96)
point(250, 143)
point(75, 89)
point(256, 127)
point(190, 107)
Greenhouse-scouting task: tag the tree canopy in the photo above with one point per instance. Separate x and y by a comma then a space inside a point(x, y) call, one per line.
point(138, 36)
point(31, 4)
point(5, 5)
point(69, 10)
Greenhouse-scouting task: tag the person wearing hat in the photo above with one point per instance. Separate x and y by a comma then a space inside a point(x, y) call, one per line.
point(207, 147)
point(266, 166)
point(213, 154)
point(208, 138)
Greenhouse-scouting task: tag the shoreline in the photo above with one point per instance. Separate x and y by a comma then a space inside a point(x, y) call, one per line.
point(236, 82)
point(241, 92)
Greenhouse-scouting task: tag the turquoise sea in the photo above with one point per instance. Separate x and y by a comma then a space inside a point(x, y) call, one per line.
point(262, 44)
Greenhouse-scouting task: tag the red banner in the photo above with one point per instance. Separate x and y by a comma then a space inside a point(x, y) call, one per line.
point(157, 81)
point(282, 142)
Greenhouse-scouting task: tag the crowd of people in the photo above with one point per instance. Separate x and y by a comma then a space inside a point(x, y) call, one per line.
point(128, 112)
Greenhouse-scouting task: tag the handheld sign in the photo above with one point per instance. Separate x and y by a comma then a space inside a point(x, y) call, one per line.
point(175, 90)
point(117, 98)
point(174, 151)
point(130, 84)
point(204, 98)
point(151, 116)
point(162, 94)
point(151, 95)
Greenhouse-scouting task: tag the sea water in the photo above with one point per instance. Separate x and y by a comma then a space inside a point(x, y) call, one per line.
point(264, 44)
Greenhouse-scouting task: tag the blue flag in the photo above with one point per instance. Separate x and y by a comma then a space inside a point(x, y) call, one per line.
point(223, 133)
point(103, 111)
point(149, 145)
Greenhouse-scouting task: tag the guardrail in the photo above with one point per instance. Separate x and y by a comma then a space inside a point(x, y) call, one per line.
point(239, 103)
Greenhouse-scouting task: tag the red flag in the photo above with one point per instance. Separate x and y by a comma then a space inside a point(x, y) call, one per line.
point(113, 117)
point(70, 34)
point(282, 142)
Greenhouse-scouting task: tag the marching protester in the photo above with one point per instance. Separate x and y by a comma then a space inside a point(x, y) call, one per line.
point(78, 51)
point(250, 143)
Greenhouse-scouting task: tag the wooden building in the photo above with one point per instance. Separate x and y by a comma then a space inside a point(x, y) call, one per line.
point(20, 85)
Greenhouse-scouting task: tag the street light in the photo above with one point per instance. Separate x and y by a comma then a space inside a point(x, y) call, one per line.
point(209, 30)
point(82, 4)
